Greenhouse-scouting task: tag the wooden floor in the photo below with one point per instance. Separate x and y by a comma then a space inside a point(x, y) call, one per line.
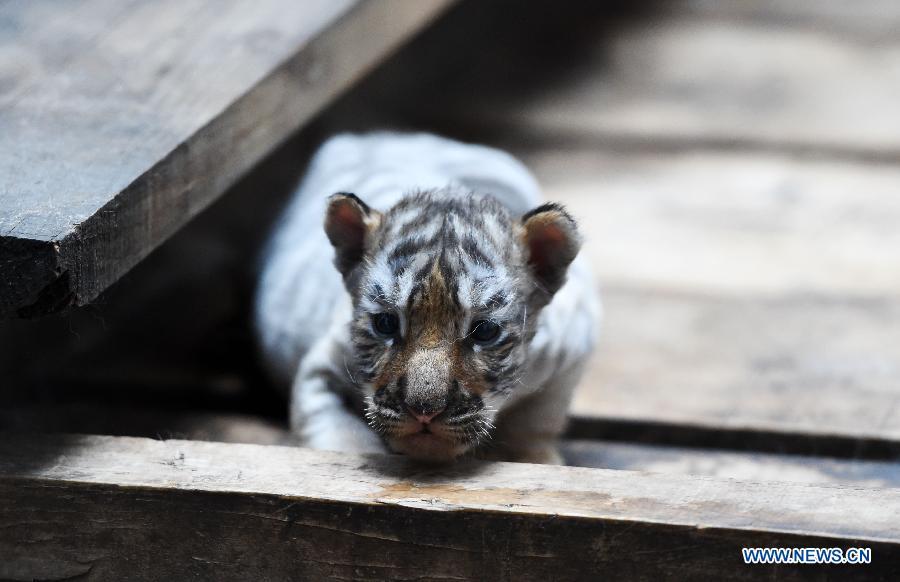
point(735, 169)
point(750, 286)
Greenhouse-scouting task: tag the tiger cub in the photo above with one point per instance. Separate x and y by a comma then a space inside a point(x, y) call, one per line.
point(458, 318)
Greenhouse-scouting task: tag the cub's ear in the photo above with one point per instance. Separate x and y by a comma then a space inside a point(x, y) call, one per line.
point(349, 223)
point(551, 242)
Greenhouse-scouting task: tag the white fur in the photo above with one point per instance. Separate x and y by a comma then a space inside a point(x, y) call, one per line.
point(302, 309)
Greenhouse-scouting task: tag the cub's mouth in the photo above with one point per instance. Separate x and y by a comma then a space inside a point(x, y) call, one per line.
point(440, 439)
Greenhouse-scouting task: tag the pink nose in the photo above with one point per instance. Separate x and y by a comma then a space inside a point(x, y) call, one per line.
point(423, 416)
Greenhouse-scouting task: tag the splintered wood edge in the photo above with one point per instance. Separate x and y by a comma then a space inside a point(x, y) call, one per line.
point(296, 474)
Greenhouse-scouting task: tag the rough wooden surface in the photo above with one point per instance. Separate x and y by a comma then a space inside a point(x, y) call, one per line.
point(128, 118)
point(818, 77)
point(158, 423)
point(731, 224)
point(742, 291)
point(104, 508)
point(801, 364)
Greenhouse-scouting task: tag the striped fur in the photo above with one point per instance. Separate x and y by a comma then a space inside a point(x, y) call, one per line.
point(439, 236)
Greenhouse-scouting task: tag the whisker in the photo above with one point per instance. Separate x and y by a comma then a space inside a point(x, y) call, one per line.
point(350, 374)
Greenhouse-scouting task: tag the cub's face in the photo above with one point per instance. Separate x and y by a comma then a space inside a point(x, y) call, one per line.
point(446, 292)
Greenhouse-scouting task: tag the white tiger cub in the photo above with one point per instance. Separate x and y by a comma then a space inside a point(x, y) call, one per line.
point(458, 317)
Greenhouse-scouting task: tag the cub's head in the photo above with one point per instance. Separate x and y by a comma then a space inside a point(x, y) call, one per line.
point(446, 293)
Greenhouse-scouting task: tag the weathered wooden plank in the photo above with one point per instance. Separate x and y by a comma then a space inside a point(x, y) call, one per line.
point(731, 465)
point(807, 365)
point(743, 292)
point(107, 508)
point(731, 224)
point(803, 76)
point(867, 21)
point(157, 423)
point(132, 123)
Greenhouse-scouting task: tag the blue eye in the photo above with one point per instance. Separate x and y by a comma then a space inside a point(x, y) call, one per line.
point(484, 331)
point(386, 323)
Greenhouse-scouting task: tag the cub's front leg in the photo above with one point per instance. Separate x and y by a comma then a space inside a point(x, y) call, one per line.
point(319, 416)
point(529, 430)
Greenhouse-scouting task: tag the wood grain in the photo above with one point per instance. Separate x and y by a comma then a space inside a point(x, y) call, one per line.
point(803, 364)
point(742, 291)
point(107, 508)
point(821, 77)
point(129, 118)
point(761, 225)
point(154, 422)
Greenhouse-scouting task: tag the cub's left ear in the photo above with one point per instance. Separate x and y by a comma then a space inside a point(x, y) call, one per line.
point(349, 223)
point(551, 242)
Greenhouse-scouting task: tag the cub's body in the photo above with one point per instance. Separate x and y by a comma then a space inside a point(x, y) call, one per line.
point(306, 310)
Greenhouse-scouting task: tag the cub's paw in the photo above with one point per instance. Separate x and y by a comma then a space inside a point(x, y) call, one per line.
point(539, 455)
point(349, 441)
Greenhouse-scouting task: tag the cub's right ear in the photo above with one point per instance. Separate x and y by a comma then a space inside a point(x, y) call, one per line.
point(551, 242)
point(349, 223)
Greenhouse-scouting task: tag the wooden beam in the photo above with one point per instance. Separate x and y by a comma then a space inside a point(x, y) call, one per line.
point(129, 118)
point(154, 421)
point(110, 508)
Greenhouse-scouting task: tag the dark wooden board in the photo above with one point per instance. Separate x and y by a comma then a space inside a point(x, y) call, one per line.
point(110, 508)
point(128, 118)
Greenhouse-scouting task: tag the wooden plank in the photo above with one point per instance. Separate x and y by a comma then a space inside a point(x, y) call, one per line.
point(797, 75)
point(147, 111)
point(732, 465)
point(731, 224)
point(867, 21)
point(742, 292)
point(108, 508)
point(171, 310)
point(157, 423)
point(802, 364)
